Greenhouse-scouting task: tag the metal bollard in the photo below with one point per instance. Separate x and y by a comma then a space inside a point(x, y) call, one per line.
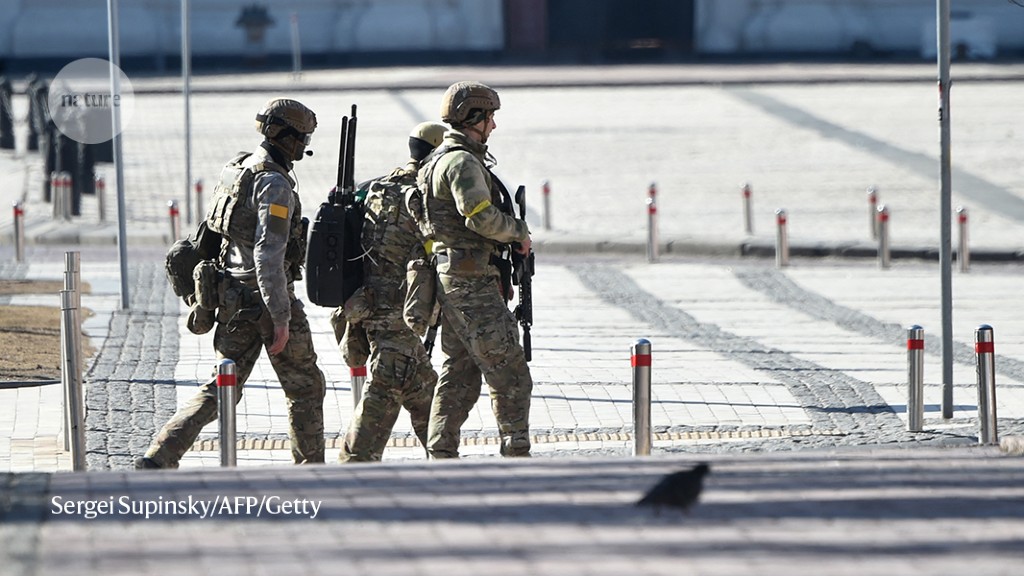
point(71, 360)
point(101, 197)
point(66, 190)
point(71, 378)
point(358, 376)
point(652, 223)
point(227, 398)
point(884, 256)
point(73, 283)
point(200, 214)
point(963, 254)
point(73, 202)
point(175, 216)
point(873, 211)
point(915, 379)
point(546, 191)
point(984, 348)
point(19, 232)
point(781, 239)
point(640, 359)
point(748, 209)
point(56, 196)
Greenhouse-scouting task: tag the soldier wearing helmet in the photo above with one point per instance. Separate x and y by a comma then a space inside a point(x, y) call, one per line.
point(371, 323)
point(474, 227)
point(259, 217)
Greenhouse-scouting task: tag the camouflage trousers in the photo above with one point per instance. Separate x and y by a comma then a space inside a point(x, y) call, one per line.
point(242, 340)
point(479, 338)
point(400, 376)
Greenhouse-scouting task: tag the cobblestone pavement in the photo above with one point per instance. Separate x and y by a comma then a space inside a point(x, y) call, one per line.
point(751, 362)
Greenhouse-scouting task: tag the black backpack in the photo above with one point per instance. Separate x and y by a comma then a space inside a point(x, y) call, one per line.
point(334, 256)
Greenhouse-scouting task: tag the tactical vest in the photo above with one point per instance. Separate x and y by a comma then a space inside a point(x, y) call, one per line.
point(233, 213)
point(421, 202)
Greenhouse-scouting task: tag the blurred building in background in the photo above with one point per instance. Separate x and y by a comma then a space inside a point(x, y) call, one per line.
point(229, 33)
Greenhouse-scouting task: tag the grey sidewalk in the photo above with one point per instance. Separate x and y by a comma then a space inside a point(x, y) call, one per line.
point(856, 512)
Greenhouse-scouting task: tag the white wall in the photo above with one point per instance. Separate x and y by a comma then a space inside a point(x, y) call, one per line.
point(41, 28)
point(752, 26)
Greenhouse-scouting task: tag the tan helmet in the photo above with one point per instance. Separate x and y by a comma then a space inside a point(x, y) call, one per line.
point(424, 138)
point(287, 124)
point(466, 103)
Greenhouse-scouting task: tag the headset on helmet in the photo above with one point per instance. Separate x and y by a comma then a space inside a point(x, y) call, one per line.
point(288, 125)
point(466, 103)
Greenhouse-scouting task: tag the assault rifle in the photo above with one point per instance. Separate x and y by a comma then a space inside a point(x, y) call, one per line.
point(333, 264)
point(522, 275)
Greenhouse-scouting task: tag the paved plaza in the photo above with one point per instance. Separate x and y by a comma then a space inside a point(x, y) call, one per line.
point(791, 381)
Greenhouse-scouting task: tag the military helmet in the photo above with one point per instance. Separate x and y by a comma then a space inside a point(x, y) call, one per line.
point(288, 124)
point(424, 138)
point(466, 103)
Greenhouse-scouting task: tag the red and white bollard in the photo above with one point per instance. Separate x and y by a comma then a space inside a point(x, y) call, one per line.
point(963, 254)
point(101, 197)
point(640, 360)
point(175, 217)
point(358, 376)
point(781, 239)
point(69, 195)
point(984, 348)
point(873, 211)
point(884, 256)
point(652, 223)
point(227, 397)
point(915, 379)
point(19, 232)
point(546, 192)
point(200, 215)
point(60, 194)
point(748, 209)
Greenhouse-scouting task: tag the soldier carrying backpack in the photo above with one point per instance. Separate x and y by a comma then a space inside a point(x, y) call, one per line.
point(371, 324)
point(249, 283)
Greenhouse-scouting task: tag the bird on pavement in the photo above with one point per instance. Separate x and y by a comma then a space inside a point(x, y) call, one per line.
point(677, 490)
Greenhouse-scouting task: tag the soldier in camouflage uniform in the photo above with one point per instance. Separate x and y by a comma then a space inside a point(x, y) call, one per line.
point(400, 370)
point(259, 216)
point(471, 217)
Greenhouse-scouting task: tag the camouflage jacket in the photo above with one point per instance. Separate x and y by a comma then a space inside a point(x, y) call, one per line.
point(465, 205)
point(260, 261)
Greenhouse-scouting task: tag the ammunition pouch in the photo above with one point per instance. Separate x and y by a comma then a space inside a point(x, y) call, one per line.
point(295, 251)
point(200, 321)
point(504, 266)
point(207, 279)
point(420, 295)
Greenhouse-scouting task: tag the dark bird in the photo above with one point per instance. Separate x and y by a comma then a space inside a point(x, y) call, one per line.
point(677, 490)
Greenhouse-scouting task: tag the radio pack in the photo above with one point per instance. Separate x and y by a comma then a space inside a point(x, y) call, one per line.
point(334, 258)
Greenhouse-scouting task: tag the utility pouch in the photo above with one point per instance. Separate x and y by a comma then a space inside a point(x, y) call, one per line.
point(207, 278)
point(200, 321)
point(420, 294)
point(504, 267)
